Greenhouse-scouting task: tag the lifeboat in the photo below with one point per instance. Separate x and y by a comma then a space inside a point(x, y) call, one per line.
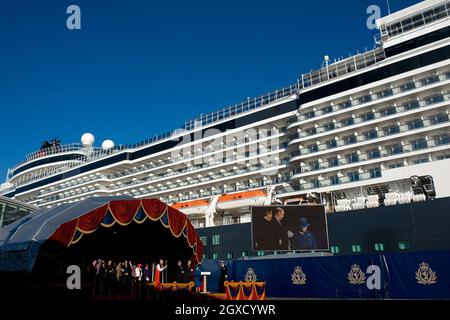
point(242, 199)
point(192, 207)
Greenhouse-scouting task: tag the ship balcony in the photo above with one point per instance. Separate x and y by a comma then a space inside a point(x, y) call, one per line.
point(369, 100)
point(372, 137)
point(389, 113)
point(415, 21)
point(140, 188)
point(419, 147)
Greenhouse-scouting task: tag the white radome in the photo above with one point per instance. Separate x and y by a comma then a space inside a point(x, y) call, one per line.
point(107, 144)
point(87, 139)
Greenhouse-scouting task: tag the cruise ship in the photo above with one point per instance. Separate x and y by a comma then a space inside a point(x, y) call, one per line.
point(357, 135)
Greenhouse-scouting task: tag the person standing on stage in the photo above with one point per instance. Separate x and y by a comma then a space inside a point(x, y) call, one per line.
point(180, 272)
point(223, 276)
point(188, 272)
point(146, 273)
point(138, 272)
point(158, 271)
point(198, 278)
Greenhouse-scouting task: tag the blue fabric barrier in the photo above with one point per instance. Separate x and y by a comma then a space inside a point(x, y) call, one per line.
point(401, 276)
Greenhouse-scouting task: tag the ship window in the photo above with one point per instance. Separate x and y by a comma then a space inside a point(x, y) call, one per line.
point(411, 105)
point(335, 180)
point(418, 20)
point(330, 109)
point(356, 248)
point(442, 139)
point(379, 247)
point(388, 111)
point(350, 139)
point(216, 239)
point(365, 99)
point(374, 153)
point(344, 105)
point(440, 118)
point(311, 131)
point(372, 134)
point(375, 173)
point(353, 176)
point(444, 157)
point(335, 249)
point(395, 149)
point(385, 93)
point(329, 126)
point(404, 245)
point(368, 116)
point(331, 144)
point(215, 256)
point(313, 147)
point(261, 253)
point(244, 254)
point(396, 165)
point(315, 183)
point(434, 99)
point(407, 86)
point(203, 240)
point(310, 115)
point(348, 122)
point(230, 255)
point(407, 24)
point(433, 79)
point(333, 162)
point(352, 157)
point(419, 161)
point(419, 144)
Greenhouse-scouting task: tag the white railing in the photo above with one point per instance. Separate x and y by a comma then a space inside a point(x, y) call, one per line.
point(327, 73)
point(417, 20)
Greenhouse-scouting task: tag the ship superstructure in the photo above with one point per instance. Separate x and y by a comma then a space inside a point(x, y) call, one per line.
point(369, 130)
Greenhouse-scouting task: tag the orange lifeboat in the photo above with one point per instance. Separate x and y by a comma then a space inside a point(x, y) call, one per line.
point(242, 199)
point(192, 207)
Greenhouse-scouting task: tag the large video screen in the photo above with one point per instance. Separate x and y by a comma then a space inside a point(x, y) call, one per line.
point(289, 228)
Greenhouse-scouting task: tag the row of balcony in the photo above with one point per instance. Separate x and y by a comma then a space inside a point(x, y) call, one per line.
point(370, 135)
point(248, 157)
point(371, 116)
point(194, 195)
point(359, 102)
point(237, 143)
point(377, 153)
point(152, 189)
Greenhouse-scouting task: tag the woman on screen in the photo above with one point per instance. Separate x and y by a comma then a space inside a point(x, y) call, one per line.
point(303, 239)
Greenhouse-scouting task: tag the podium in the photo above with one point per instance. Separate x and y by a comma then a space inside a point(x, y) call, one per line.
point(205, 275)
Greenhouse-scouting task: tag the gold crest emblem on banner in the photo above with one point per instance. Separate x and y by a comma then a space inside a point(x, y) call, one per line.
point(356, 275)
point(250, 276)
point(298, 277)
point(425, 275)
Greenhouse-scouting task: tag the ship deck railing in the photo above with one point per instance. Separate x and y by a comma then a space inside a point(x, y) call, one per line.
point(330, 71)
point(415, 21)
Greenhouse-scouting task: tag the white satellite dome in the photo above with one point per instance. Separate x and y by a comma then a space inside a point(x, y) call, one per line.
point(108, 144)
point(87, 139)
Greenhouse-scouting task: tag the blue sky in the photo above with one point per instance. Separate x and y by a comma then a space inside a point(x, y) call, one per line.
point(138, 68)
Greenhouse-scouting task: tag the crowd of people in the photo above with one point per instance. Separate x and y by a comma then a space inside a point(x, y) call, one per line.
point(110, 276)
point(127, 272)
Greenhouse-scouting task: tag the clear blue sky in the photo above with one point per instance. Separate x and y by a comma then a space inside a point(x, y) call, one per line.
point(138, 68)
